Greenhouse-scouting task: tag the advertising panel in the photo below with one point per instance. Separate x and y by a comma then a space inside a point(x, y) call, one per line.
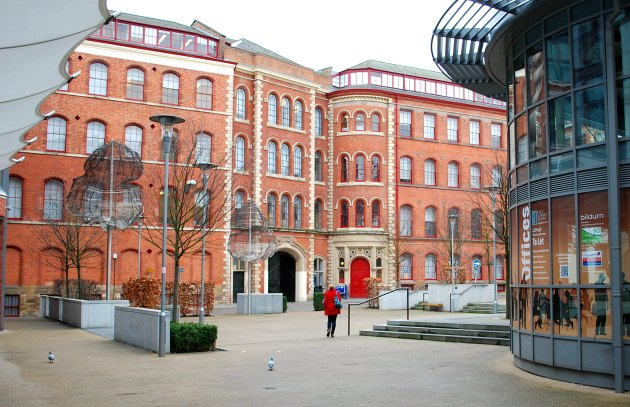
point(524, 251)
point(593, 227)
point(541, 265)
point(563, 240)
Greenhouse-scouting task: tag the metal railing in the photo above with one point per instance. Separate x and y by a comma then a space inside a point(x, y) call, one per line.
point(378, 296)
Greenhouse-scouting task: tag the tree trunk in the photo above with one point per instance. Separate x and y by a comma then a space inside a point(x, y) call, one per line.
point(79, 285)
point(175, 289)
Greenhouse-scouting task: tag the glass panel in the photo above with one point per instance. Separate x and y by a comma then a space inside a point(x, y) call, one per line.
point(541, 307)
point(593, 224)
point(564, 311)
point(524, 309)
point(624, 225)
point(623, 108)
point(595, 313)
point(622, 48)
point(590, 116)
point(624, 150)
point(514, 246)
point(521, 139)
point(202, 45)
point(122, 31)
point(136, 33)
point(538, 168)
point(150, 36)
point(563, 240)
point(625, 299)
point(562, 162)
point(536, 73)
point(541, 265)
point(523, 255)
point(591, 157)
point(164, 38)
point(555, 22)
point(178, 41)
point(522, 175)
point(514, 308)
point(587, 50)
point(510, 86)
point(513, 146)
point(560, 123)
point(538, 131)
point(189, 44)
point(558, 64)
point(519, 83)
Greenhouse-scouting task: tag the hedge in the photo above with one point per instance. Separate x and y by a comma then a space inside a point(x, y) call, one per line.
point(193, 337)
point(318, 301)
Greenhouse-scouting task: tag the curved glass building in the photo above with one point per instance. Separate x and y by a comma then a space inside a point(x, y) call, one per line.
point(563, 67)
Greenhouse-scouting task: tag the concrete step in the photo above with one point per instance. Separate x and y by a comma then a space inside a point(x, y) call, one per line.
point(487, 334)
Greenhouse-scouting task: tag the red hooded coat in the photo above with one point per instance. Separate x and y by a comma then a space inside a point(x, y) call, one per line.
point(329, 303)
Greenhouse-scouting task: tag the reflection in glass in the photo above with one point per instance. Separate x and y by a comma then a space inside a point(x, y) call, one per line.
point(558, 64)
point(510, 86)
point(538, 131)
point(587, 52)
point(521, 135)
point(623, 107)
point(622, 48)
point(519, 84)
point(561, 162)
point(522, 175)
point(591, 157)
point(590, 116)
point(524, 308)
point(563, 240)
point(595, 313)
point(564, 311)
point(536, 73)
point(512, 140)
point(541, 305)
point(514, 307)
point(538, 168)
point(514, 248)
point(560, 123)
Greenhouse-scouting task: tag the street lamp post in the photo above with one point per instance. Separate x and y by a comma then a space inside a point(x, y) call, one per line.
point(452, 218)
point(493, 198)
point(205, 167)
point(166, 124)
point(140, 218)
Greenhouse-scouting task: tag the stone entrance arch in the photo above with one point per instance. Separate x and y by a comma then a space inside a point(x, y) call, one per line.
point(286, 271)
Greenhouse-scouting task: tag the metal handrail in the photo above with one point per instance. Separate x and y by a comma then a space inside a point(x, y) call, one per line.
point(378, 296)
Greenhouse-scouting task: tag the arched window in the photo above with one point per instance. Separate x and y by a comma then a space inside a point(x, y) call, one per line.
point(271, 210)
point(475, 224)
point(170, 89)
point(318, 214)
point(318, 166)
point(496, 176)
point(239, 199)
point(344, 214)
point(475, 176)
point(318, 273)
point(286, 112)
point(204, 93)
point(14, 198)
point(297, 212)
point(429, 222)
point(429, 172)
point(344, 123)
point(359, 212)
point(344, 168)
point(297, 162)
point(133, 139)
point(95, 136)
point(53, 200)
point(202, 199)
point(453, 213)
point(430, 267)
point(376, 214)
point(405, 220)
point(298, 111)
point(174, 148)
point(284, 211)
point(376, 169)
point(203, 149)
point(240, 104)
point(271, 158)
point(318, 122)
point(272, 109)
point(240, 154)
point(56, 134)
point(453, 174)
point(359, 122)
point(360, 168)
point(406, 266)
point(376, 122)
point(98, 79)
point(135, 84)
point(405, 170)
point(476, 273)
point(284, 160)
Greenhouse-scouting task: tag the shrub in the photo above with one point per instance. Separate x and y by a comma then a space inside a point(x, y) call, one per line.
point(318, 301)
point(188, 299)
point(192, 337)
point(373, 286)
point(284, 303)
point(143, 291)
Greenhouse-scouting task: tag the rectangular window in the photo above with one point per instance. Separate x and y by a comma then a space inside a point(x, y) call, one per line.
point(496, 135)
point(164, 38)
point(122, 31)
point(202, 45)
point(150, 36)
point(451, 129)
point(405, 123)
point(11, 305)
point(430, 267)
point(136, 33)
point(474, 132)
point(429, 126)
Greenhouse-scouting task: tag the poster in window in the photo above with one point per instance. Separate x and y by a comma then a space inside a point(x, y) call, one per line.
point(564, 311)
point(514, 308)
point(563, 240)
point(524, 250)
point(524, 309)
point(514, 247)
point(595, 314)
point(593, 227)
point(541, 309)
point(541, 266)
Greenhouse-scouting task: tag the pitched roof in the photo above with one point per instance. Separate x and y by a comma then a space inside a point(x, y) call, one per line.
point(133, 18)
point(249, 46)
point(401, 69)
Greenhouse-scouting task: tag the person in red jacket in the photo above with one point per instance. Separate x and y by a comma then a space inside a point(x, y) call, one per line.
point(331, 310)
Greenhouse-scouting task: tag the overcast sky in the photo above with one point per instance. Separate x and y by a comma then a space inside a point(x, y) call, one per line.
point(314, 33)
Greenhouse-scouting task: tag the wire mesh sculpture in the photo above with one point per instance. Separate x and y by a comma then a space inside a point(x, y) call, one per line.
point(104, 195)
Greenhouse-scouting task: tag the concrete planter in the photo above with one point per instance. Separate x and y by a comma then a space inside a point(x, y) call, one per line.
point(261, 304)
point(140, 327)
point(80, 313)
point(398, 299)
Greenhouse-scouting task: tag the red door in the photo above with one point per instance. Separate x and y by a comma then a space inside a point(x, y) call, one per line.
point(359, 269)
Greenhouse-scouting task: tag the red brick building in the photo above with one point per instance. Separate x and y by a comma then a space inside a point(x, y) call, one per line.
point(356, 171)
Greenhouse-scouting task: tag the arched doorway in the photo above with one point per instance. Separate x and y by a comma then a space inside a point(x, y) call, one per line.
point(359, 269)
point(281, 272)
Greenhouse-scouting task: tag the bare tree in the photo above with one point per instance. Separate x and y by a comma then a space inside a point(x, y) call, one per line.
point(186, 198)
point(68, 244)
point(448, 248)
point(396, 245)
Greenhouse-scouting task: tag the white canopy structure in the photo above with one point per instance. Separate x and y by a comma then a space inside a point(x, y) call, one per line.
point(36, 38)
